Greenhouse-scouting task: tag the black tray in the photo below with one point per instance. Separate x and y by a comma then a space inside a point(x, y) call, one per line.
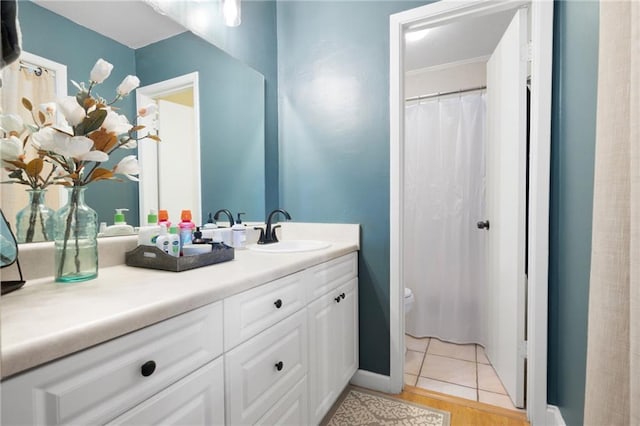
point(154, 258)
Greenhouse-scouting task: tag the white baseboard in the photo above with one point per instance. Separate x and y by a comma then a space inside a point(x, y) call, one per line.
point(374, 381)
point(554, 416)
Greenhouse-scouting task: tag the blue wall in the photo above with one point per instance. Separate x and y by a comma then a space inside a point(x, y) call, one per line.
point(231, 119)
point(333, 80)
point(56, 38)
point(575, 72)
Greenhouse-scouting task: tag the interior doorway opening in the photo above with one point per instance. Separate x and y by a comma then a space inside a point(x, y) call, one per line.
point(529, 326)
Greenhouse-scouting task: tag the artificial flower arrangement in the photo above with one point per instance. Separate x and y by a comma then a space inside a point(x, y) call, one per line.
point(76, 149)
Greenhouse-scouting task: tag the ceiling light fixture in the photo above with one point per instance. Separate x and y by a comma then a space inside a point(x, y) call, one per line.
point(231, 12)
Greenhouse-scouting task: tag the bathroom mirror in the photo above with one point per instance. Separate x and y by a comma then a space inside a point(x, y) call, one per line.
point(231, 104)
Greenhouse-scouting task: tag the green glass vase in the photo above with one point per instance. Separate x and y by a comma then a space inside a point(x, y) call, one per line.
point(76, 245)
point(34, 223)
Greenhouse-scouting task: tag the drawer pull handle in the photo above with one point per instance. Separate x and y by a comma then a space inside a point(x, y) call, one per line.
point(342, 295)
point(278, 303)
point(148, 368)
point(279, 366)
point(337, 299)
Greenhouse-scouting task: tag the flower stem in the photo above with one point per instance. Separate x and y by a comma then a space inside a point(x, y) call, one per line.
point(73, 206)
point(33, 213)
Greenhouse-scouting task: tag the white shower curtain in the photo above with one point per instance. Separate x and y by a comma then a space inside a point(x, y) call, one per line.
point(444, 251)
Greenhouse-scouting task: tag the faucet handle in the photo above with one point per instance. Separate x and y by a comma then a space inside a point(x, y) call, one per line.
point(274, 237)
point(261, 240)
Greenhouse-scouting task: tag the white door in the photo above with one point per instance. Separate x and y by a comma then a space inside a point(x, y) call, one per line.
point(506, 174)
point(178, 162)
point(148, 160)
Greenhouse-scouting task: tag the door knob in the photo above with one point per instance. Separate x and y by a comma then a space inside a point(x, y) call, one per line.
point(483, 225)
point(279, 366)
point(278, 303)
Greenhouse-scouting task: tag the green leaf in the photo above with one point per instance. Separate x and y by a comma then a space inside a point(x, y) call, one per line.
point(92, 122)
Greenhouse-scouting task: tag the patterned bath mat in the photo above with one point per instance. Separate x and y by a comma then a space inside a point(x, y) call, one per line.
point(358, 407)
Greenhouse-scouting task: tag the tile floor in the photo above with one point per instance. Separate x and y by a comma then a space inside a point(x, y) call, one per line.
point(459, 370)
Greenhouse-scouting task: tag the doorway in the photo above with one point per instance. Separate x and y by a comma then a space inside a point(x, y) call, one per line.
point(177, 123)
point(533, 349)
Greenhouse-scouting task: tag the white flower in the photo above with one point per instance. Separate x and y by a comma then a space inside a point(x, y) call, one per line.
point(11, 123)
point(76, 147)
point(72, 111)
point(48, 108)
point(127, 167)
point(100, 71)
point(116, 123)
point(132, 144)
point(129, 83)
point(148, 110)
point(10, 148)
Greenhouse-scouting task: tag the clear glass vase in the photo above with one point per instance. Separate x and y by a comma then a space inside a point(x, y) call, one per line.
point(76, 245)
point(34, 223)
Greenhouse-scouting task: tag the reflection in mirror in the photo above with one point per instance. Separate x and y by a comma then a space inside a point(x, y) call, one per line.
point(8, 254)
point(231, 102)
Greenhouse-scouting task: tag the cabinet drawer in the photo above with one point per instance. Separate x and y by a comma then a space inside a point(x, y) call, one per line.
point(291, 410)
point(260, 371)
point(248, 313)
point(196, 400)
point(327, 276)
point(95, 385)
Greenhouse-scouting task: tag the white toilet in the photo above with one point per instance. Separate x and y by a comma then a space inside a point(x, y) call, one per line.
point(408, 305)
point(408, 301)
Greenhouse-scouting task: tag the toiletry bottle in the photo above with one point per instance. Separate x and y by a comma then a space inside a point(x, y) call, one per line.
point(119, 226)
point(174, 242)
point(208, 228)
point(147, 234)
point(186, 228)
point(239, 234)
point(162, 242)
point(197, 237)
point(163, 217)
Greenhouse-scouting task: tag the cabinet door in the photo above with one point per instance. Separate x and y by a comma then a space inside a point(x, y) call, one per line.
point(264, 368)
point(198, 399)
point(323, 342)
point(347, 325)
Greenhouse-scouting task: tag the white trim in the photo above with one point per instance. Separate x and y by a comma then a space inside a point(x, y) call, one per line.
point(368, 380)
point(164, 88)
point(539, 183)
point(542, 32)
point(61, 90)
point(554, 416)
point(448, 65)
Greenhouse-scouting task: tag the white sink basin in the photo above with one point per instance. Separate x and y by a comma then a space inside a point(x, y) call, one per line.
point(290, 246)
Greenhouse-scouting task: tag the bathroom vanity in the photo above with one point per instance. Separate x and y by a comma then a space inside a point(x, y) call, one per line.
point(265, 339)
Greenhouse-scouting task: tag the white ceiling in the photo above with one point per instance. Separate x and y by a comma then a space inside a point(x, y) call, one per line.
point(132, 23)
point(458, 41)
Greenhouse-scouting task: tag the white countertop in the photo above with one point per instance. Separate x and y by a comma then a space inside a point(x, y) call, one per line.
point(46, 320)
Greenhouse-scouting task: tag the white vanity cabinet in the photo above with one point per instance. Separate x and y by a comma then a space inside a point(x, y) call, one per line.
point(278, 353)
point(333, 336)
point(98, 384)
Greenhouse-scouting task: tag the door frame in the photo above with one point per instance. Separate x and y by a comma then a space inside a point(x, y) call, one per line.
point(540, 137)
point(148, 152)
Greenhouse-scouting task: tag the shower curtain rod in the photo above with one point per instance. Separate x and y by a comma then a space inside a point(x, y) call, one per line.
point(435, 95)
point(37, 69)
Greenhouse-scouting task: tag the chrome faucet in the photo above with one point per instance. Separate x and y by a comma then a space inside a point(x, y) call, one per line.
point(228, 213)
point(268, 236)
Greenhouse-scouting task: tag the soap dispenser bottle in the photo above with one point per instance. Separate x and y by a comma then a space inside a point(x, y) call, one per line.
point(239, 232)
point(147, 234)
point(119, 226)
